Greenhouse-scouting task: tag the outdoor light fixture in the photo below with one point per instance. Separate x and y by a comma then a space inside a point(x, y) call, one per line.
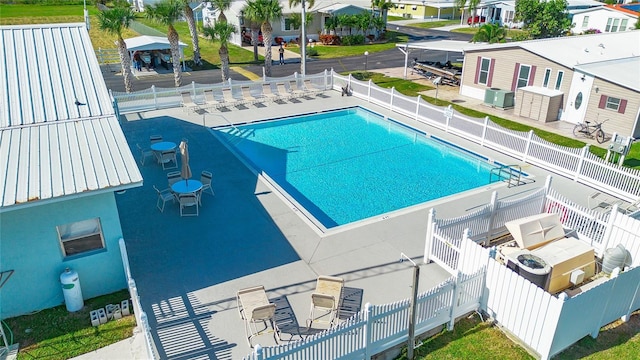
point(366, 57)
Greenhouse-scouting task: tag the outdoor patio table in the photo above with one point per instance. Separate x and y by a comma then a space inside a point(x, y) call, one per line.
point(163, 146)
point(186, 187)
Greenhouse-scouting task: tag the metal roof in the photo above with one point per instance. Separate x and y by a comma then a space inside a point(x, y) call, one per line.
point(624, 72)
point(59, 135)
point(146, 42)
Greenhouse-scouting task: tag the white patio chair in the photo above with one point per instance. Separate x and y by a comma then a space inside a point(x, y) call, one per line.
point(164, 196)
point(254, 307)
point(187, 201)
point(279, 91)
point(326, 298)
point(168, 157)
point(173, 177)
point(144, 153)
point(155, 139)
point(213, 100)
point(256, 90)
point(206, 178)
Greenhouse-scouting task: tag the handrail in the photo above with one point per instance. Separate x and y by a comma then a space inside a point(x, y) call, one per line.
point(508, 172)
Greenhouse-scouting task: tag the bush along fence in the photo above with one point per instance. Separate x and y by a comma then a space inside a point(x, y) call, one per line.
point(141, 316)
point(577, 164)
point(546, 323)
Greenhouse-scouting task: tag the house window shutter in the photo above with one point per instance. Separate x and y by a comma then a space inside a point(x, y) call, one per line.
point(514, 82)
point(603, 102)
point(623, 106)
point(490, 77)
point(532, 75)
point(478, 64)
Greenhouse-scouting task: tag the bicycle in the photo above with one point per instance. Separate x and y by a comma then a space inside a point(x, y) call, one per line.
point(585, 129)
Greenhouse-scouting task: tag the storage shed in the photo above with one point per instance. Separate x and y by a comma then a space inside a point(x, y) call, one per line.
point(538, 103)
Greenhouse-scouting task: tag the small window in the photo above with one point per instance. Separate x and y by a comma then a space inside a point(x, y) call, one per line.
point(523, 76)
point(288, 25)
point(613, 103)
point(608, 27)
point(559, 80)
point(614, 27)
point(81, 236)
point(483, 76)
point(415, 7)
point(402, 6)
point(547, 76)
point(623, 25)
point(585, 22)
point(578, 101)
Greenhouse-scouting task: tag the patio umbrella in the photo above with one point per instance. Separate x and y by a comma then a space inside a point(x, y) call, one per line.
point(185, 171)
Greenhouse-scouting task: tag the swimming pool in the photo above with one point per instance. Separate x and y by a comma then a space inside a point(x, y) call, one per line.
point(347, 165)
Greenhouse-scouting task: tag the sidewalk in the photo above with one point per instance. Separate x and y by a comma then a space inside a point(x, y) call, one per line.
point(132, 348)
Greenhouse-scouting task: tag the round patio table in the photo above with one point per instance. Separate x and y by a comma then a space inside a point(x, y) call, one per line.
point(186, 187)
point(163, 146)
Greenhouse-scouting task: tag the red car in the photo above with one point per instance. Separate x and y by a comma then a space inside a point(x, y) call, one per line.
point(476, 20)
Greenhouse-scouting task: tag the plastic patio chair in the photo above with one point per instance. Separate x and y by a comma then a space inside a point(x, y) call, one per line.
point(144, 153)
point(173, 177)
point(187, 201)
point(168, 157)
point(206, 178)
point(326, 299)
point(254, 307)
point(164, 196)
point(155, 139)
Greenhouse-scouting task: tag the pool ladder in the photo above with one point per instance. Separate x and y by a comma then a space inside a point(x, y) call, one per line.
point(510, 173)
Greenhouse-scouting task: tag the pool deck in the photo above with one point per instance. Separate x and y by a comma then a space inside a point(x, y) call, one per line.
point(188, 269)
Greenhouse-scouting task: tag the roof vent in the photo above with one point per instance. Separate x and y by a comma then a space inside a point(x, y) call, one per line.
point(601, 45)
point(586, 50)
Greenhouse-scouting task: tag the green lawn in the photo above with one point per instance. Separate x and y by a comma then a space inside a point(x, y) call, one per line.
point(55, 333)
point(35, 10)
point(333, 51)
point(435, 24)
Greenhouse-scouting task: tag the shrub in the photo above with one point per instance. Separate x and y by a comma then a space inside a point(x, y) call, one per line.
point(591, 31)
point(312, 51)
point(330, 39)
point(353, 40)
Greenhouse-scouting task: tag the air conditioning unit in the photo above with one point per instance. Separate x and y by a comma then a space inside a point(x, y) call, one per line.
point(504, 99)
point(490, 95)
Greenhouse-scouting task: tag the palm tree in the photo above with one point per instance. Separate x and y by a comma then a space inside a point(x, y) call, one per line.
point(473, 5)
point(222, 6)
point(460, 5)
point(114, 21)
point(255, 38)
point(303, 28)
point(167, 12)
point(383, 6)
point(491, 33)
point(188, 13)
point(263, 11)
point(221, 32)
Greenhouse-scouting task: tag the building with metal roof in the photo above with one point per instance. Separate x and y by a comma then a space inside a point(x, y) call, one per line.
point(64, 156)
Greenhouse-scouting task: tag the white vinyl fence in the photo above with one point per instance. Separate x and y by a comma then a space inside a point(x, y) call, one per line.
point(577, 164)
point(548, 324)
point(381, 327)
point(141, 316)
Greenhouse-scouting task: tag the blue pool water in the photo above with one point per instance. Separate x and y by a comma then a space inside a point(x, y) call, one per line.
point(346, 165)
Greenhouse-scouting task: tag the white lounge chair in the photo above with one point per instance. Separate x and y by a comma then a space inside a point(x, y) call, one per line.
point(254, 307)
point(279, 92)
point(187, 102)
point(326, 298)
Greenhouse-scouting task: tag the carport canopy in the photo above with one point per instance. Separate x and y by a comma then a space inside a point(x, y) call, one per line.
point(453, 46)
point(149, 43)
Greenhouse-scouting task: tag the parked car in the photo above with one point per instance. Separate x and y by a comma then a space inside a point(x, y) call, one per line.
point(246, 37)
point(476, 19)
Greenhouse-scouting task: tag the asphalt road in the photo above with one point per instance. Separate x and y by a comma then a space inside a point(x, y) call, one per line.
point(380, 60)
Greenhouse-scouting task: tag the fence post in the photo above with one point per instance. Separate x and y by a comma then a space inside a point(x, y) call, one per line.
point(607, 231)
point(155, 97)
point(193, 88)
point(325, 79)
point(583, 155)
point(367, 330)
point(369, 91)
point(526, 147)
point(632, 301)
point(547, 190)
point(429, 238)
point(492, 216)
point(393, 92)
point(258, 353)
point(417, 106)
point(454, 300)
point(484, 130)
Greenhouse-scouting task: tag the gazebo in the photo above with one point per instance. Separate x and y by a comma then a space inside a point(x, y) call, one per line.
point(147, 44)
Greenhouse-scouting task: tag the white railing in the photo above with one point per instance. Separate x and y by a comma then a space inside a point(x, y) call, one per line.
point(577, 164)
point(378, 328)
point(141, 316)
point(163, 98)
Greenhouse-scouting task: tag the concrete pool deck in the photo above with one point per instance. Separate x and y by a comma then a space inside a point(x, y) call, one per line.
point(189, 269)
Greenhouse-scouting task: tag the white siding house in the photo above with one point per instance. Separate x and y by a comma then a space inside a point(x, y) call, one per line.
point(609, 18)
point(64, 156)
